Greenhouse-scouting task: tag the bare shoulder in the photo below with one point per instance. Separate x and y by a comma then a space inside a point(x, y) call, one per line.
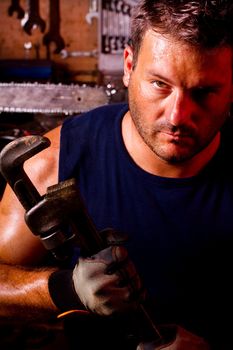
point(18, 245)
point(43, 167)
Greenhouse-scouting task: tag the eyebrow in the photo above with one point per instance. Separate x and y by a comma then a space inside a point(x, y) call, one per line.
point(169, 81)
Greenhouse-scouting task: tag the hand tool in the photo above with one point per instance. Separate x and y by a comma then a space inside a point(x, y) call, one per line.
point(105, 27)
point(34, 18)
point(12, 160)
point(53, 35)
point(15, 7)
point(93, 11)
point(50, 215)
point(60, 206)
point(65, 54)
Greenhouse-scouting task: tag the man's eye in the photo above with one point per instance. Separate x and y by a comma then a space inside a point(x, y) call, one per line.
point(203, 92)
point(160, 84)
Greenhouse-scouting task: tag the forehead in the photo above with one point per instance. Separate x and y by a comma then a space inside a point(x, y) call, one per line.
point(171, 57)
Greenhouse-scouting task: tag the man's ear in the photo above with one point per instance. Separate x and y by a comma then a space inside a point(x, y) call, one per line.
point(128, 65)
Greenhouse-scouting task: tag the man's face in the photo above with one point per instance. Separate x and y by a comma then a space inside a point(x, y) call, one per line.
point(179, 96)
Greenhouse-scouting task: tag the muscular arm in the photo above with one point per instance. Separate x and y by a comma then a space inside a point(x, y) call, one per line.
point(24, 282)
point(19, 248)
point(24, 293)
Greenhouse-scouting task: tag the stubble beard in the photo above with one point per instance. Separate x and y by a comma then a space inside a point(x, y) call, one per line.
point(176, 152)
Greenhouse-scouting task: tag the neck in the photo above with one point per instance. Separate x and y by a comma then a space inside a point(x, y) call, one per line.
point(146, 159)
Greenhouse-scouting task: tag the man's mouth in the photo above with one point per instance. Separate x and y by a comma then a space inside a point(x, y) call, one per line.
point(177, 137)
point(176, 134)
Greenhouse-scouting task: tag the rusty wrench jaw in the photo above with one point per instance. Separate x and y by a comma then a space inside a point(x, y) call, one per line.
point(62, 209)
point(48, 216)
point(12, 159)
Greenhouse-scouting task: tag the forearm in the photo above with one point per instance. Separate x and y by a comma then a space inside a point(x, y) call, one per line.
point(24, 293)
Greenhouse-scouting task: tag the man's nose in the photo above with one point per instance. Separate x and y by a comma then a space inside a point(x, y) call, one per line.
point(181, 108)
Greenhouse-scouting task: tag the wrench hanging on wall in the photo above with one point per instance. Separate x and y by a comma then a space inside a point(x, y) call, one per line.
point(53, 35)
point(93, 11)
point(105, 26)
point(34, 19)
point(15, 7)
point(115, 26)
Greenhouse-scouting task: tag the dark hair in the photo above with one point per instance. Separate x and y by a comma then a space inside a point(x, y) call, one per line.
point(203, 23)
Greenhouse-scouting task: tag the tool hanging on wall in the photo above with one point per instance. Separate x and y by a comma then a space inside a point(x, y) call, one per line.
point(53, 35)
point(93, 11)
point(34, 19)
point(15, 7)
point(104, 29)
point(115, 26)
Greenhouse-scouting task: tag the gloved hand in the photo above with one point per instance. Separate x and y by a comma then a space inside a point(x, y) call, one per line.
point(107, 283)
point(183, 340)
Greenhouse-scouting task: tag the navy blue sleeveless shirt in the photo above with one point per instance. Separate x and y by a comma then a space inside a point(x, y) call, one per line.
point(180, 230)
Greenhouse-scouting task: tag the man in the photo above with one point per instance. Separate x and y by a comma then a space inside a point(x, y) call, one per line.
point(158, 170)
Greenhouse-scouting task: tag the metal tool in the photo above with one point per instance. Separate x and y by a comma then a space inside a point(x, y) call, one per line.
point(49, 215)
point(61, 206)
point(50, 98)
point(65, 54)
point(15, 7)
point(115, 29)
point(12, 160)
point(105, 28)
point(93, 11)
point(48, 225)
point(34, 18)
point(53, 35)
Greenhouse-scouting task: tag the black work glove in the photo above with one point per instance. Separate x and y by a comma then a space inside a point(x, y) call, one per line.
point(107, 282)
point(182, 340)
